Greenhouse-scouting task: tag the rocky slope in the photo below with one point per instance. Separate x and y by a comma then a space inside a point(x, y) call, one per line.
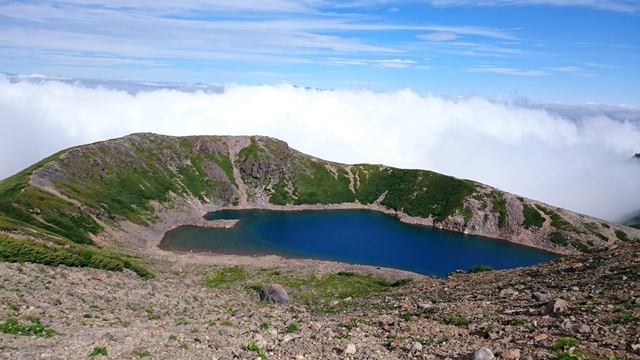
point(204, 312)
point(140, 180)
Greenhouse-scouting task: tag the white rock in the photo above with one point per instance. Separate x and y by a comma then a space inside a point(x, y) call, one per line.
point(483, 353)
point(350, 349)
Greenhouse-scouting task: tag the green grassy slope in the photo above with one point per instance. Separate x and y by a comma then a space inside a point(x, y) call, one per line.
point(108, 181)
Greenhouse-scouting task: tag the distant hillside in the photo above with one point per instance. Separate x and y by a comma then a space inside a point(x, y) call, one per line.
point(78, 194)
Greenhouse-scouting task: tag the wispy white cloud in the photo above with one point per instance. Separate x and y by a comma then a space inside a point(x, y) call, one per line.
point(567, 155)
point(611, 5)
point(196, 30)
point(439, 36)
point(388, 63)
point(509, 71)
point(574, 70)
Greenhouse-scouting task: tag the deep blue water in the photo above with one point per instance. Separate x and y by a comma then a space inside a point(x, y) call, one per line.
point(353, 236)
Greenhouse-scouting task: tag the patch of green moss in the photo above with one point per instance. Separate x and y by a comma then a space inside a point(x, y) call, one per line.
point(222, 276)
point(252, 151)
point(319, 292)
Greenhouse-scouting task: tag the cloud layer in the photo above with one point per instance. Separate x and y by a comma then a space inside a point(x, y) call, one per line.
point(575, 157)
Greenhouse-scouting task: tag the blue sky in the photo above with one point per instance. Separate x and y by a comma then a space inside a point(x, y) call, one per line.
point(545, 50)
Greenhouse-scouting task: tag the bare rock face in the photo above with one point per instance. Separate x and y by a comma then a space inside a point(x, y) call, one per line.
point(275, 158)
point(274, 293)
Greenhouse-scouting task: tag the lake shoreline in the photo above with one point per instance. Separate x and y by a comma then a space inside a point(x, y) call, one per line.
point(358, 236)
point(147, 239)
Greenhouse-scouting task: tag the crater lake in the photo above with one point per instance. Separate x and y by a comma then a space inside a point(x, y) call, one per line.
point(352, 236)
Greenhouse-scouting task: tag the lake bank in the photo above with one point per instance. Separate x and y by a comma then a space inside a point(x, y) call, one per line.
point(353, 236)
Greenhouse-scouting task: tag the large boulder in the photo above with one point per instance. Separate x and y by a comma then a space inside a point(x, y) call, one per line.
point(274, 293)
point(557, 306)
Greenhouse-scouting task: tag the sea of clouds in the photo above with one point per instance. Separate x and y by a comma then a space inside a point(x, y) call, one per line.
point(572, 156)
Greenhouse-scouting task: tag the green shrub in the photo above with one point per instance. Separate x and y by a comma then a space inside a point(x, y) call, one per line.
point(480, 268)
point(621, 235)
point(141, 354)
point(580, 246)
point(457, 320)
point(625, 319)
point(98, 350)
point(13, 326)
point(253, 346)
point(18, 251)
point(565, 343)
point(499, 205)
point(293, 327)
point(346, 273)
point(401, 282)
point(558, 238)
point(532, 217)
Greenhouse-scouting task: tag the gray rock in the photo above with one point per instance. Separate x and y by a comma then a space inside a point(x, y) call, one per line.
point(507, 292)
point(557, 306)
point(637, 301)
point(566, 324)
point(416, 346)
point(130, 273)
point(107, 337)
point(483, 353)
point(200, 339)
point(274, 293)
point(541, 297)
point(584, 329)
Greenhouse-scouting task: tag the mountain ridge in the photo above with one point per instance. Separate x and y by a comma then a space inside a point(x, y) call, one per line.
point(140, 179)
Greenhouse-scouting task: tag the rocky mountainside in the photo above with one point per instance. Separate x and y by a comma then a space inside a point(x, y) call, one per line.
point(82, 193)
point(81, 274)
